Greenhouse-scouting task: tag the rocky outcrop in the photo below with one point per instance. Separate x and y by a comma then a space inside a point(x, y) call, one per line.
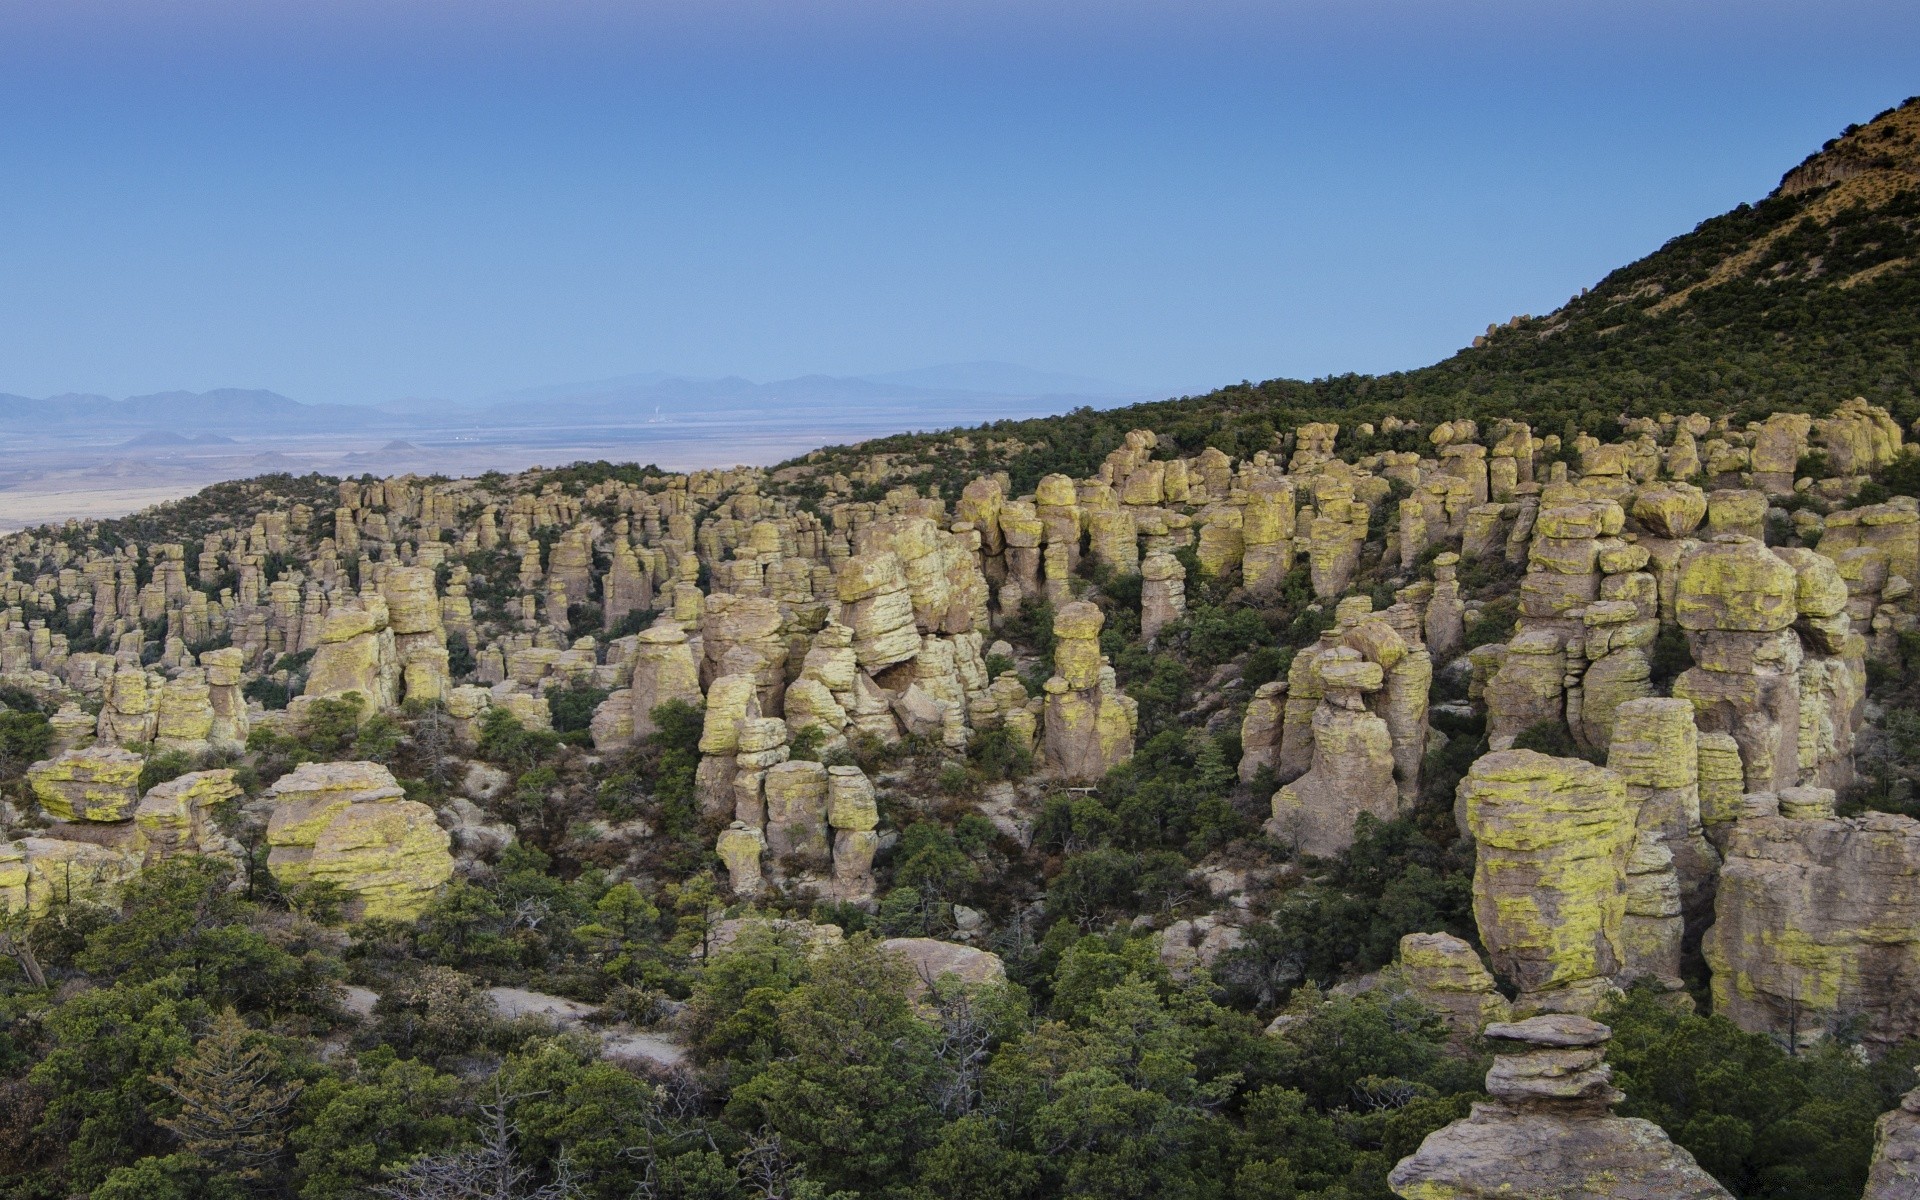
point(1089, 721)
point(932, 960)
point(1548, 1131)
point(180, 817)
point(1352, 767)
point(1895, 1174)
point(350, 825)
point(1818, 921)
point(1656, 752)
point(1737, 601)
point(39, 872)
point(1163, 593)
point(1446, 975)
point(97, 784)
point(356, 655)
point(663, 671)
point(1554, 836)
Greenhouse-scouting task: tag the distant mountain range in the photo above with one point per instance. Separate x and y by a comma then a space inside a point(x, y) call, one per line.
point(924, 398)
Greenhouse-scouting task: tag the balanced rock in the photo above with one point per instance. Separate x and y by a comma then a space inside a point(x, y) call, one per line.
point(1446, 975)
point(1550, 877)
point(1549, 1133)
point(1352, 767)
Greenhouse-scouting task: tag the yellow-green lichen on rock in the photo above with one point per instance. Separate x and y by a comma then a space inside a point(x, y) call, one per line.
point(350, 825)
point(37, 873)
point(1549, 884)
point(100, 783)
point(1818, 921)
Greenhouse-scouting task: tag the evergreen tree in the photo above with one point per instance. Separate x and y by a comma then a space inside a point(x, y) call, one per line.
point(233, 1109)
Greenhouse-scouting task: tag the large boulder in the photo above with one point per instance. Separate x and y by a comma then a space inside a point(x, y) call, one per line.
point(349, 824)
point(38, 872)
point(101, 783)
point(1550, 876)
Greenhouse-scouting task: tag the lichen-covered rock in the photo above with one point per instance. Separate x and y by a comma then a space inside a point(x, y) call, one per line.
point(1670, 510)
point(1352, 769)
point(1260, 729)
point(877, 606)
point(796, 798)
point(1736, 584)
point(349, 824)
point(38, 872)
point(1818, 921)
point(1549, 887)
point(127, 714)
point(1656, 752)
point(740, 847)
point(663, 671)
point(226, 671)
point(178, 816)
point(1446, 975)
point(1548, 1132)
point(356, 655)
point(183, 718)
point(1527, 689)
point(1089, 721)
point(101, 783)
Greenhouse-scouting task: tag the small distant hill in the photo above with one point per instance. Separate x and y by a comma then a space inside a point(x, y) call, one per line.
point(236, 410)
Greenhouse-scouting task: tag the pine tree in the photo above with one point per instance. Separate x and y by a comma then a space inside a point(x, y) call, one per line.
point(233, 1111)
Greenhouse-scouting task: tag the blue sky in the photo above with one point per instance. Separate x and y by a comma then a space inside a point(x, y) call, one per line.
point(355, 202)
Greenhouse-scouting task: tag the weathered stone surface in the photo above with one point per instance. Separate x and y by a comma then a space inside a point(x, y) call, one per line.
point(663, 670)
point(1736, 584)
point(1163, 593)
point(932, 959)
point(1446, 975)
point(1352, 768)
point(96, 784)
point(1670, 510)
point(1527, 688)
point(1260, 729)
point(740, 847)
point(356, 654)
point(1656, 752)
point(1549, 885)
point(183, 717)
point(38, 872)
point(1818, 921)
point(1548, 1134)
point(177, 817)
point(350, 825)
point(796, 798)
point(1895, 1174)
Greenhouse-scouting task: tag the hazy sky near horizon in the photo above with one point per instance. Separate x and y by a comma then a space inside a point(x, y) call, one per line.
point(358, 201)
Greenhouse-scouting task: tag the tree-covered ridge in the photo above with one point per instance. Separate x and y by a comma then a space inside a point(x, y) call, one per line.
point(1801, 301)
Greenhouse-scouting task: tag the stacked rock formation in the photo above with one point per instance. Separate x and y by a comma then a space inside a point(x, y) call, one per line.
point(1089, 721)
point(1895, 1174)
point(1355, 718)
point(1548, 1131)
point(350, 825)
